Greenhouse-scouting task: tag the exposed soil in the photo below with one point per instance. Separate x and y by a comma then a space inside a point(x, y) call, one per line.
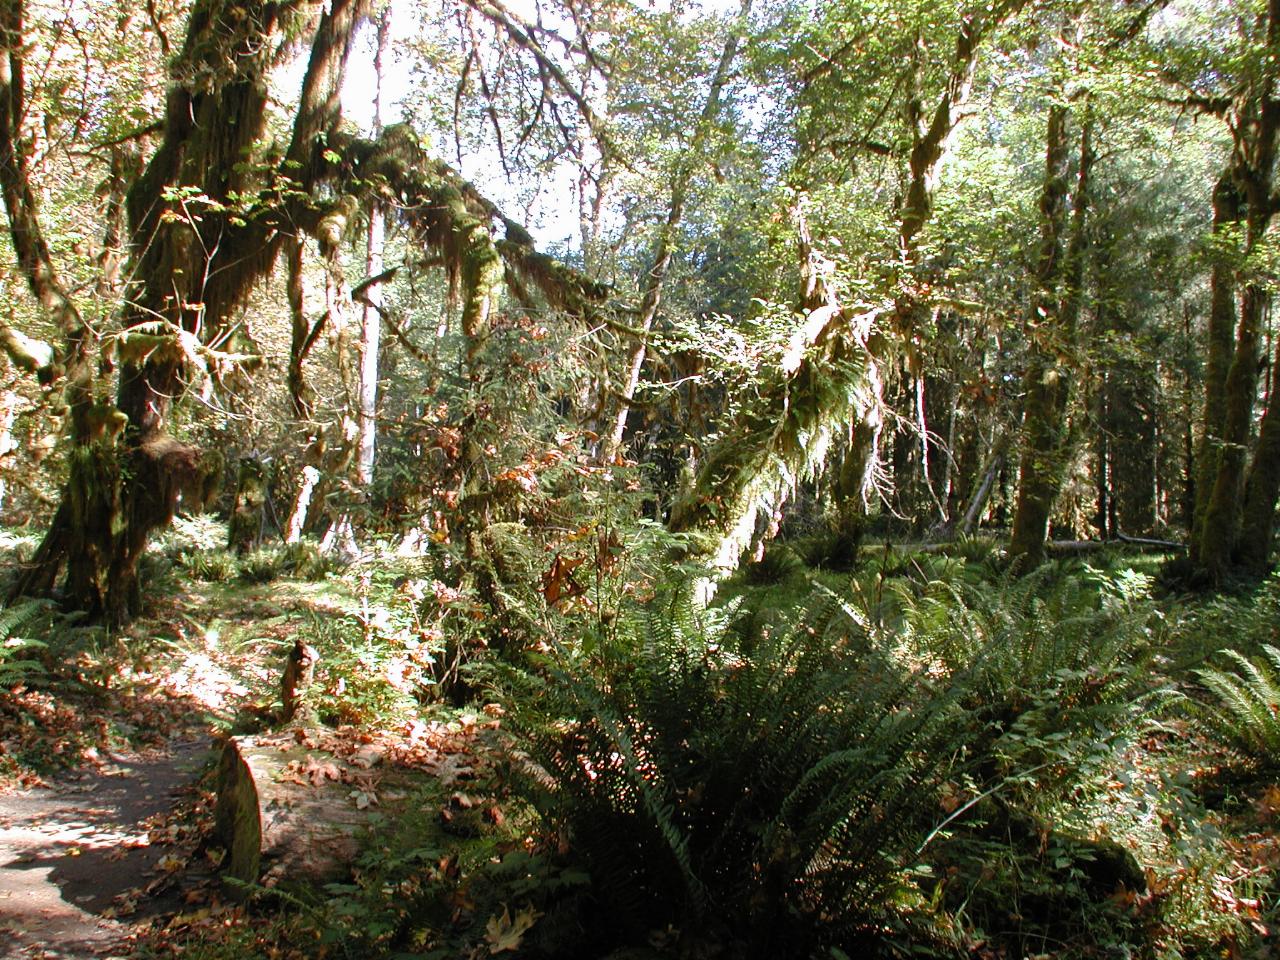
point(92, 848)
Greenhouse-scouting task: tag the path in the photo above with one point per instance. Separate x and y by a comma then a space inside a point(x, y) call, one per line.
point(68, 852)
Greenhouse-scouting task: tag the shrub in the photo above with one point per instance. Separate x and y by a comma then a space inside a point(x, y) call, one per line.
point(305, 561)
point(262, 565)
point(210, 566)
point(17, 663)
point(364, 676)
point(764, 794)
point(779, 563)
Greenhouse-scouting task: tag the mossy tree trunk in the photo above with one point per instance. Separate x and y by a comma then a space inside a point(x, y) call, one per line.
point(1218, 535)
point(244, 532)
point(932, 127)
point(197, 257)
point(200, 248)
point(1228, 219)
point(681, 183)
point(1258, 527)
point(1052, 323)
point(826, 372)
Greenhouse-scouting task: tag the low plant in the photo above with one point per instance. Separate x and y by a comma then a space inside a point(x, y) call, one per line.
point(261, 565)
point(753, 794)
point(305, 561)
point(365, 674)
point(210, 566)
point(778, 563)
point(20, 656)
point(1244, 707)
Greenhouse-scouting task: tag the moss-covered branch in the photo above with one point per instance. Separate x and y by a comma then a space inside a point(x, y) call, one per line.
point(827, 376)
point(475, 239)
point(25, 230)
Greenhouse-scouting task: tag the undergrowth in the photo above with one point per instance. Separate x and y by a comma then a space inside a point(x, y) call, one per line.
point(983, 766)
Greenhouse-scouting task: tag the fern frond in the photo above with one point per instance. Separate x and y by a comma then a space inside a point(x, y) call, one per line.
point(1246, 705)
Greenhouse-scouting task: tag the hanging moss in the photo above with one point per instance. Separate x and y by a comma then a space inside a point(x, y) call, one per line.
point(828, 376)
point(244, 532)
point(782, 437)
point(332, 228)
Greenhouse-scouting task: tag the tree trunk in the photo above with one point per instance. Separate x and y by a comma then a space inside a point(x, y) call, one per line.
point(9, 403)
point(1103, 473)
point(194, 264)
point(1258, 528)
point(302, 504)
point(986, 483)
point(244, 532)
point(1054, 317)
point(682, 180)
point(1218, 531)
point(1228, 214)
point(371, 307)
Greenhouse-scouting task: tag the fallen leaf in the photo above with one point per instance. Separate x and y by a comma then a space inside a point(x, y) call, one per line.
point(505, 932)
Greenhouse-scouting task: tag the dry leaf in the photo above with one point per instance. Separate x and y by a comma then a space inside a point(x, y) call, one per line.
point(505, 932)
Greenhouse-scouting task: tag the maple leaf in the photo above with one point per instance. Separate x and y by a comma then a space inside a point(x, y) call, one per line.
point(505, 932)
point(319, 772)
point(558, 582)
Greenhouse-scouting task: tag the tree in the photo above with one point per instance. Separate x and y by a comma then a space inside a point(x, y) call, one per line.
point(1244, 94)
point(205, 220)
point(1053, 322)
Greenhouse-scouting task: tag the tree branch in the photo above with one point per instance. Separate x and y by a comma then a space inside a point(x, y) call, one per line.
point(34, 257)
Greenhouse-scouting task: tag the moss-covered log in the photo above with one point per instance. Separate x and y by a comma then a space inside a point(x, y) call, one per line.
point(288, 812)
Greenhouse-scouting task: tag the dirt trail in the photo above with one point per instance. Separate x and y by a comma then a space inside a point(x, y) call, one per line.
point(67, 852)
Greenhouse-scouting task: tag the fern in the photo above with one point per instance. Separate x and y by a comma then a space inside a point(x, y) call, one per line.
point(707, 774)
point(16, 664)
point(1245, 712)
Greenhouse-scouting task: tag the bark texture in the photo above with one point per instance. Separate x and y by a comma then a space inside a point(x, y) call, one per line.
point(1052, 324)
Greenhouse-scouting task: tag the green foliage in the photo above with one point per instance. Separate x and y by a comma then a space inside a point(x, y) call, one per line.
point(1243, 622)
point(304, 561)
point(366, 674)
point(829, 550)
point(760, 792)
point(1064, 660)
point(261, 565)
point(213, 566)
point(842, 778)
point(1244, 711)
point(17, 663)
point(779, 563)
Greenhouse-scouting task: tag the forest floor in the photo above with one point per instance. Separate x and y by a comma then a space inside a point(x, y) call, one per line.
point(107, 743)
point(85, 858)
point(108, 748)
point(104, 796)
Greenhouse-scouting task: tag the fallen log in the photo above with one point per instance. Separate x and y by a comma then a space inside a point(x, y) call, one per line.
point(294, 806)
point(1148, 542)
point(289, 810)
point(292, 826)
